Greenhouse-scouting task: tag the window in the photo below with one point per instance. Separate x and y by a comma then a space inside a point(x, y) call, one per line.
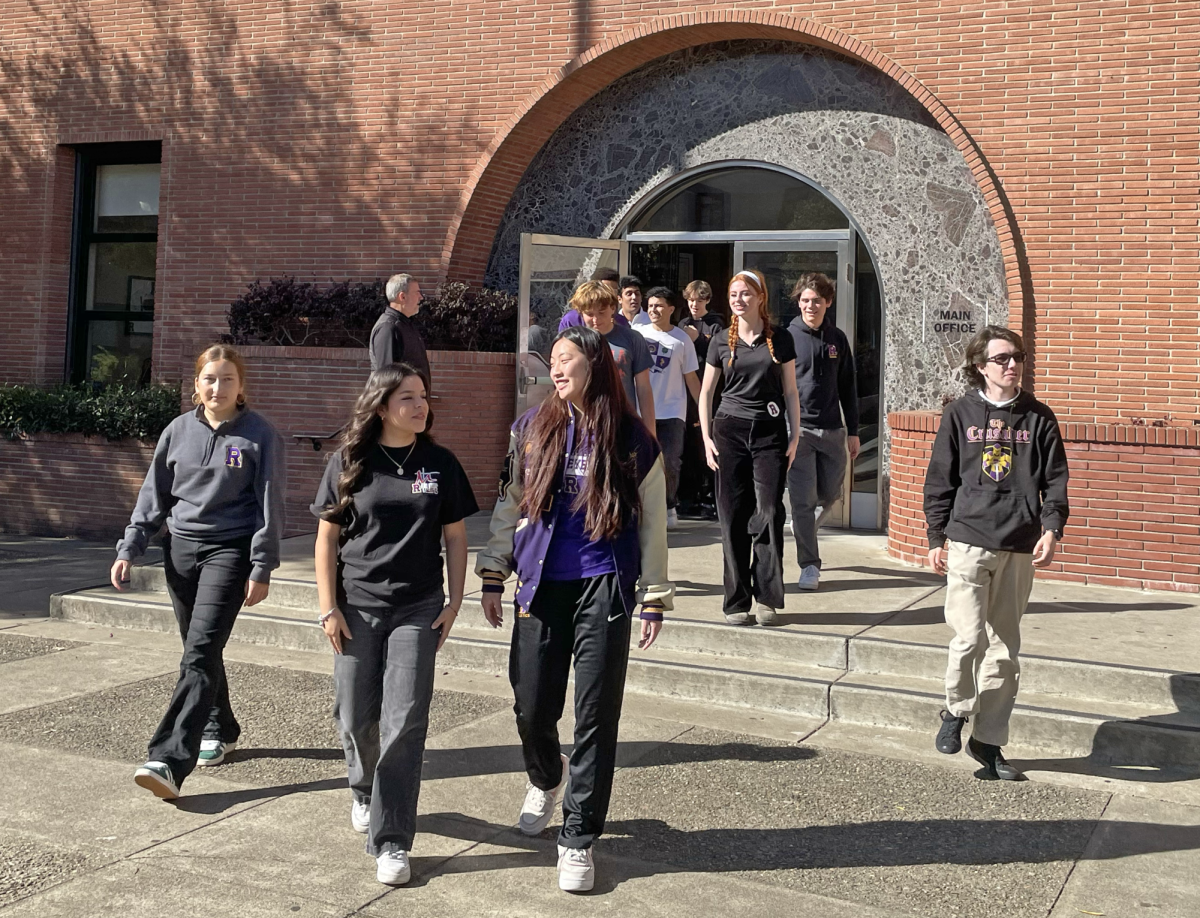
point(116, 232)
point(738, 199)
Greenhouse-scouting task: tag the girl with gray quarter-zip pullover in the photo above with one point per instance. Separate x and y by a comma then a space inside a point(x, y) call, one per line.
point(216, 480)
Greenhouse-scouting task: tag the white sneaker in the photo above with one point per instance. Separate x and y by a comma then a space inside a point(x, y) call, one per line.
point(576, 869)
point(538, 808)
point(672, 518)
point(156, 777)
point(392, 865)
point(360, 817)
point(213, 751)
point(810, 578)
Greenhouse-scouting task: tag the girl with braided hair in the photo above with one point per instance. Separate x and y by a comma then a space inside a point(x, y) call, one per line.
point(748, 446)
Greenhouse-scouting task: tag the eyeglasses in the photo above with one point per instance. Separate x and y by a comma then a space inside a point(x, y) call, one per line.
point(1001, 360)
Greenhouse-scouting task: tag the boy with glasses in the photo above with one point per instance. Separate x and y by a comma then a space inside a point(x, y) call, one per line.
point(995, 505)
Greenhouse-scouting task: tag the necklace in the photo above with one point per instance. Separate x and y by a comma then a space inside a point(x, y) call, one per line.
point(399, 466)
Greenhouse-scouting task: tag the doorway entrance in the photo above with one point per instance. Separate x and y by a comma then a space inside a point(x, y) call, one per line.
point(707, 225)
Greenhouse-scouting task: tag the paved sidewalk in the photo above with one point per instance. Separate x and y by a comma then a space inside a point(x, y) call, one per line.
point(713, 808)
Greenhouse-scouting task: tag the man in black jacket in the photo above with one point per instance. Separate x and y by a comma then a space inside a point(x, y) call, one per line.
point(995, 506)
point(825, 380)
point(395, 338)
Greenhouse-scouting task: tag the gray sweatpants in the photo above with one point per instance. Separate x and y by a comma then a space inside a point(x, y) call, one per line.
point(383, 684)
point(815, 480)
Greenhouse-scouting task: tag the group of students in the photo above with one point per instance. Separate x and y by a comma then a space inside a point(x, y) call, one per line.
point(581, 520)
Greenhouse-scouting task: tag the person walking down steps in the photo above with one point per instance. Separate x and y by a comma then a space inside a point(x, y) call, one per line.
point(995, 506)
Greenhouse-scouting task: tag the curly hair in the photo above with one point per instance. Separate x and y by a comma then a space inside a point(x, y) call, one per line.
point(757, 283)
point(977, 351)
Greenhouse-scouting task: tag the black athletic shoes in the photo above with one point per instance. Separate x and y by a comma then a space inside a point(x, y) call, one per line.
point(995, 766)
point(949, 737)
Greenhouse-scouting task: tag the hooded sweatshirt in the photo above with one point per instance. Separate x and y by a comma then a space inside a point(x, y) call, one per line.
point(214, 485)
point(825, 376)
point(997, 478)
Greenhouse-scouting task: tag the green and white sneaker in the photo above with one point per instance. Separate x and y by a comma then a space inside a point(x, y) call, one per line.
point(212, 751)
point(156, 777)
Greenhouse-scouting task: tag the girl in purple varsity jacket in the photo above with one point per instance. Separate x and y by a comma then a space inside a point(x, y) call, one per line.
point(581, 520)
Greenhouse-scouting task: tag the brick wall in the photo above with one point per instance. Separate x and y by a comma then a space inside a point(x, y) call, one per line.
point(1134, 493)
point(305, 390)
point(71, 485)
point(352, 139)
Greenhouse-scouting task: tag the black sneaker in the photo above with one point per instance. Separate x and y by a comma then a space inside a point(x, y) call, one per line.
point(995, 766)
point(949, 738)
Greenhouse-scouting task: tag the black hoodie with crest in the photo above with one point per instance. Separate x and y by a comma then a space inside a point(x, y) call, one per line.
point(997, 478)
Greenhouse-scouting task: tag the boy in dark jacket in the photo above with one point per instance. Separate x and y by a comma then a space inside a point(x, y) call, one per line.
point(995, 506)
point(825, 381)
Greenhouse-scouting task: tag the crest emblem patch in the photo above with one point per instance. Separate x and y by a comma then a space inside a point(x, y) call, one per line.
point(997, 461)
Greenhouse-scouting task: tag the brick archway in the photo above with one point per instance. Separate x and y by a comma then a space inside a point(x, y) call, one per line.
point(492, 182)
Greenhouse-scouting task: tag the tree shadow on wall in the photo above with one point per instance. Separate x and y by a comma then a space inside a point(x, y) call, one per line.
point(273, 162)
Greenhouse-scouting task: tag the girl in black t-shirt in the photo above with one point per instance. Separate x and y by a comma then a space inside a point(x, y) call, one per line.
point(389, 497)
point(749, 447)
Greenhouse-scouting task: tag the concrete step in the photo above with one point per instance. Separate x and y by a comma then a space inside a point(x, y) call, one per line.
point(750, 669)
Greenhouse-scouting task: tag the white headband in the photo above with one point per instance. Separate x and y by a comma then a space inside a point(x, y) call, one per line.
point(749, 274)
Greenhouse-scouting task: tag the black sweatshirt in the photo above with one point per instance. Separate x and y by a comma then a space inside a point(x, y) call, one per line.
point(998, 476)
point(825, 376)
point(395, 339)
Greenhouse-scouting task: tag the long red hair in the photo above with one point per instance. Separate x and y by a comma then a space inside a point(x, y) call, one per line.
point(756, 282)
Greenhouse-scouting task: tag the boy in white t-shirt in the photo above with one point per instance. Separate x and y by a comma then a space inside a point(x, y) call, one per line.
point(672, 376)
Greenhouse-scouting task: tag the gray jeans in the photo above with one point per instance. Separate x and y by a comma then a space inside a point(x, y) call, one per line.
point(815, 480)
point(383, 684)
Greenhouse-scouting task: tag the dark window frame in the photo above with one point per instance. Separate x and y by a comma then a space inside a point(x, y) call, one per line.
point(88, 157)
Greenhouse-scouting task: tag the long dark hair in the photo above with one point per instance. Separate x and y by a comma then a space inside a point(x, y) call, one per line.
point(361, 434)
point(610, 497)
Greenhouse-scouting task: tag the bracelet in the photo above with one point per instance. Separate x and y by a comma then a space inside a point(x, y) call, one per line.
point(326, 616)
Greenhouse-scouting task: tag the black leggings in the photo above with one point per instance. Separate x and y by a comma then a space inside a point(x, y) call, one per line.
point(207, 583)
point(586, 619)
point(750, 482)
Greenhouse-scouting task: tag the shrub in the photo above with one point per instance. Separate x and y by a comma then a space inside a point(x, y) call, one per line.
point(285, 311)
point(114, 412)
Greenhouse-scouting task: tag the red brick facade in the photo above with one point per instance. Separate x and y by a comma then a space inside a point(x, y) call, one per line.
point(354, 139)
point(71, 485)
point(1134, 492)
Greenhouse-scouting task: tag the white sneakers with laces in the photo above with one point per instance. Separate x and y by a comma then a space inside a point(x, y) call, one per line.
point(391, 866)
point(576, 869)
point(538, 808)
point(672, 518)
point(810, 578)
point(360, 817)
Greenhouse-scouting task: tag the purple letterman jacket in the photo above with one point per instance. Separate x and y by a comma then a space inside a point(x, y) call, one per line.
point(639, 551)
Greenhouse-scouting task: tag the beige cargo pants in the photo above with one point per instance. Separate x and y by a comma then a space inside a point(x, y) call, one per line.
point(986, 595)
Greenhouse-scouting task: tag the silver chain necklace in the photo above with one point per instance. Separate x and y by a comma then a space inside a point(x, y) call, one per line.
point(399, 466)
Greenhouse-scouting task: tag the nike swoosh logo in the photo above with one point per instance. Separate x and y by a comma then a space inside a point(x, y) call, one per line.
point(613, 618)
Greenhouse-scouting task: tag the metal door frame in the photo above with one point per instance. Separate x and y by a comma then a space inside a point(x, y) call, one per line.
point(528, 242)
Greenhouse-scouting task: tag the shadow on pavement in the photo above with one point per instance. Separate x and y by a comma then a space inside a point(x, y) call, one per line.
point(212, 804)
point(492, 760)
point(246, 755)
point(636, 848)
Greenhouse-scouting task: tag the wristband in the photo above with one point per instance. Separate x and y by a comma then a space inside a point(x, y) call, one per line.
point(493, 581)
point(651, 612)
point(326, 616)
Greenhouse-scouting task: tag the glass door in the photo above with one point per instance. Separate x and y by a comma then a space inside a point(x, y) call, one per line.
point(782, 262)
point(551, 268)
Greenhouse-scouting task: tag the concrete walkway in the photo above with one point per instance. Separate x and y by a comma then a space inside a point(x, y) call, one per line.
point(713, 808)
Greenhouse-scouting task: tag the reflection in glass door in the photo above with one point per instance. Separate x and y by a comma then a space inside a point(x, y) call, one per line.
point(551, 268)
point(783, 263)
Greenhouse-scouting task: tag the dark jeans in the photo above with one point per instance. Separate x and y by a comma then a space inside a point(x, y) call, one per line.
point(670, 437)
point(207, 584)
point(585, 618)
point(383, 684)
point(695, 477)
point(750, 482)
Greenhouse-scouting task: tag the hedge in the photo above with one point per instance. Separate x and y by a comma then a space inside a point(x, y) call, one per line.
point(113, 412)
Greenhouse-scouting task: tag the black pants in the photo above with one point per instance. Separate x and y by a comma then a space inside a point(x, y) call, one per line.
point(695, 477)
point(750, 483)
point(584, 618)
point(207, 583)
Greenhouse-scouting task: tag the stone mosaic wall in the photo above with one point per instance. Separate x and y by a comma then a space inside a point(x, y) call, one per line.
point(841, 124)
